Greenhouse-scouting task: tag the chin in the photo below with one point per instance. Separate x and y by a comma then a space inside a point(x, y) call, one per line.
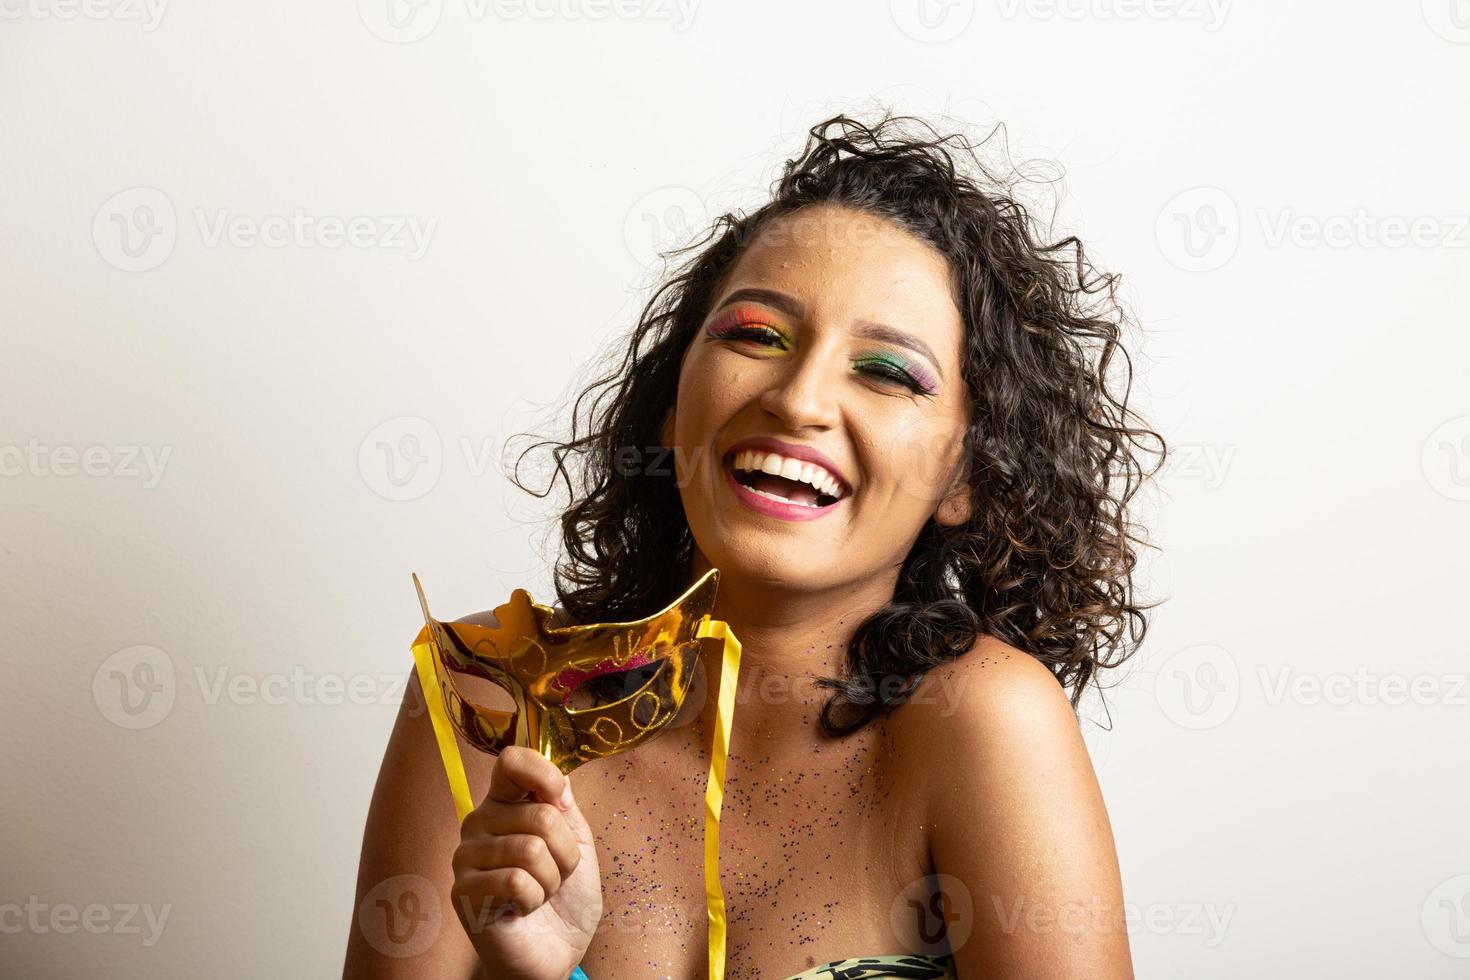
point(761, 560)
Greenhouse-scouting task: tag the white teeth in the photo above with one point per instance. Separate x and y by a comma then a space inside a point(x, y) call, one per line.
point(784, 500)
point(753, 460)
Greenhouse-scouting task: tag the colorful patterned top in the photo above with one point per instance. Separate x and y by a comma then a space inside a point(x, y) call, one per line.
point(874, 967)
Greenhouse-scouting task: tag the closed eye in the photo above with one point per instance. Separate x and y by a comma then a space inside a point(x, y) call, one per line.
point(889, 372)
point(754, 332)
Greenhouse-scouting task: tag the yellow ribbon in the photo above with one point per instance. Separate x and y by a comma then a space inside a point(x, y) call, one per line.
point(714, 789)
point(714, 792)
point(459, 786)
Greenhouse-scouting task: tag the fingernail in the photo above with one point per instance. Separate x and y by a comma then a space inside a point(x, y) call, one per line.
point(566, 796)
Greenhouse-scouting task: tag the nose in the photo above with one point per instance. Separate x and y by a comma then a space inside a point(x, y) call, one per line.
point(804, 394)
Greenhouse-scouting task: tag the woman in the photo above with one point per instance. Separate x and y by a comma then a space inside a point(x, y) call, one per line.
point(885, 410)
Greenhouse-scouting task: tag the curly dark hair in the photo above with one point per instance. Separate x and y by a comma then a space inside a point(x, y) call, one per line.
point(1052, 451)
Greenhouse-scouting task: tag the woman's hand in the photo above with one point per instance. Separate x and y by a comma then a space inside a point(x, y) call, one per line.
point(526, 882)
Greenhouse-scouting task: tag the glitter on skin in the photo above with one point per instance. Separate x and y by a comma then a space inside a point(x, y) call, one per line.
point(809, 849)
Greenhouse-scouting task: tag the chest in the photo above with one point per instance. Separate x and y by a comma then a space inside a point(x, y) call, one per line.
point(814, 847)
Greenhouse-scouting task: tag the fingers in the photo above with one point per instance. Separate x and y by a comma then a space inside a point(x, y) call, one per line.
point(528, 852)
point(503, 886)
point(484, 830)
point(519, 771)
point(538, 820)
point(515, 847)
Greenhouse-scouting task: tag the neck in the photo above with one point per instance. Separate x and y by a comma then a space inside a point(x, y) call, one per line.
point(788, 638)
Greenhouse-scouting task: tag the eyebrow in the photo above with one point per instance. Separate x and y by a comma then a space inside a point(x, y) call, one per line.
point(792, 306)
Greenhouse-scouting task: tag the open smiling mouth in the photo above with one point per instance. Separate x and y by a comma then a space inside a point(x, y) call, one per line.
point(775, 478)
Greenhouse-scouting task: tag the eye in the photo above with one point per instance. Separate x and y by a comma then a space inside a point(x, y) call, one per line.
point(746, 325)
point(887, 371)
point(755, 332)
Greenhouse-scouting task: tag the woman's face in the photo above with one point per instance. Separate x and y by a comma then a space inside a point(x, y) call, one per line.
point(833, 340)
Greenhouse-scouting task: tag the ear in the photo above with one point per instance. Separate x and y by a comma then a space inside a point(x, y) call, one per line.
point(666, 429)
point(955, 508)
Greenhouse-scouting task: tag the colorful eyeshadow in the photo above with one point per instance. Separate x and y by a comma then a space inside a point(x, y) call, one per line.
point(749, 322)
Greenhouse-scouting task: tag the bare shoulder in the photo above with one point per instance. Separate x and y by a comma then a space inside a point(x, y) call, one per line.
point(1005, 728)
point(993, 699)
point(1016, 818)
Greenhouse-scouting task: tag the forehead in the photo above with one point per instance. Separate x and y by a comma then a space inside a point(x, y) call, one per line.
point(844, 265)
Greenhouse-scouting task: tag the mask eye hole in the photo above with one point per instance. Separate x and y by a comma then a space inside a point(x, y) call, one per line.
point(606, 686)
point(483, 691)
point(585, 695)
point(633, 679)
point(610, 686)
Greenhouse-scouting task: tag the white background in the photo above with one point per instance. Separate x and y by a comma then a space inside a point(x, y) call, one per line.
point(1282, 186)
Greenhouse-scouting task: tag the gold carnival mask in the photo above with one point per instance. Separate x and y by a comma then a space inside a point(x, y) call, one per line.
point(540, 666)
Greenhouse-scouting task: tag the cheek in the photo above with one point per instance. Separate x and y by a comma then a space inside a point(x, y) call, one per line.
point(708, 397)
point(917, 457)
point(703, 408)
